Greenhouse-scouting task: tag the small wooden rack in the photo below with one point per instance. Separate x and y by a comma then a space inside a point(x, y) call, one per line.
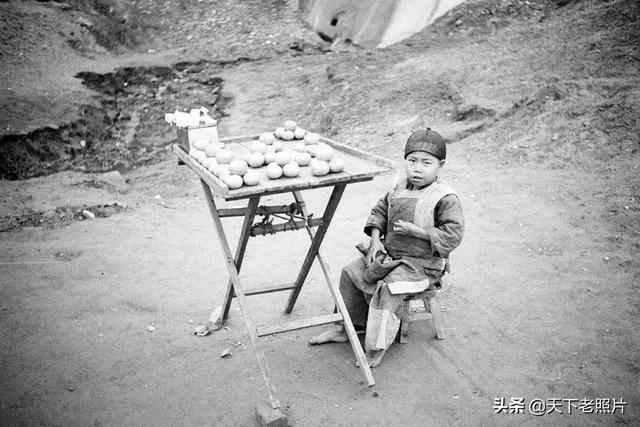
point(359, 166)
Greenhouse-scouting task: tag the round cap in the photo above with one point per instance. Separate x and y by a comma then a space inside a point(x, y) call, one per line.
point(426, 140)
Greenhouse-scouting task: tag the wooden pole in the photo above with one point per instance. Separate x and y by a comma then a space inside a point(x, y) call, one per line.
point(250, 212)
point(332, 204)
point(337, 297)
point(239, 293)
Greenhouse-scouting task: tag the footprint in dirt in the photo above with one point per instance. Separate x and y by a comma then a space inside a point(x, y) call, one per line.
point(140, 307)
point(548, 249)
point(66, 255)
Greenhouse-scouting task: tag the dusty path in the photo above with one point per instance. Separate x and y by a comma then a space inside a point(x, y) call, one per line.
point(540, 306)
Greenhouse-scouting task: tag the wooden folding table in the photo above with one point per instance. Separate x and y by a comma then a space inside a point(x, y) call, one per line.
point(359, 166)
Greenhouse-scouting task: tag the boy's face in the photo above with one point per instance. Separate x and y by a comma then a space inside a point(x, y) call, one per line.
point(422, 168)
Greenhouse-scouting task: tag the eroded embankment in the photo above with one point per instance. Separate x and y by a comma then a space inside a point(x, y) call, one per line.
point(124, 127)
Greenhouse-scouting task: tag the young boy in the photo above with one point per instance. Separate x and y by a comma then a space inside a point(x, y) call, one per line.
point(413, 229)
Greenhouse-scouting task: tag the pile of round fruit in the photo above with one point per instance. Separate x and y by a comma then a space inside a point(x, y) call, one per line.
point(273, 150)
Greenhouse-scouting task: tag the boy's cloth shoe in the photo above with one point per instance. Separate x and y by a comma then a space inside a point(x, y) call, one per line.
point(408, 287)
point(381, 266)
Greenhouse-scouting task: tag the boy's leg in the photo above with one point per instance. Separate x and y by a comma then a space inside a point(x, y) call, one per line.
point(382, 324)
point(335, 334)
point(354, 300)
point(375, 357)
point(392, 304)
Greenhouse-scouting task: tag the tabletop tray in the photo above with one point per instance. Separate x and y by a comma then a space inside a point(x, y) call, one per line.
point(359, 166)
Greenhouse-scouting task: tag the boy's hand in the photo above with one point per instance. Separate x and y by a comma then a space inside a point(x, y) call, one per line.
point(407, 228)
point(375, 247)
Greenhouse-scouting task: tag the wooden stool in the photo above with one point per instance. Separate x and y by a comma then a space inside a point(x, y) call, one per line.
point(432, 312)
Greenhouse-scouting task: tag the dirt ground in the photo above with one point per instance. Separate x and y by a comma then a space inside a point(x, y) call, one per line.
point(540, 104)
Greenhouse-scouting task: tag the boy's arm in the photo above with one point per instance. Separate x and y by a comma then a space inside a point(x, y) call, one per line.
point(375, 247)
point(376, 226)
point(378, 217)
point(447, 233)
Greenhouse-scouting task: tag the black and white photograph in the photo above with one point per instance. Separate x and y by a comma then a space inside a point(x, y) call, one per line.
point(319, 213)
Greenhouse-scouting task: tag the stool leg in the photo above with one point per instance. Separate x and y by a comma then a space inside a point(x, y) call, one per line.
point(430, 304)
point(404, 324)
point(404, 331)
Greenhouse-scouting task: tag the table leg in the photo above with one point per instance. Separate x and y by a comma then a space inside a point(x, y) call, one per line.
point(332, 204)
point(240, 250)
point(337, 297)
point(239, 293)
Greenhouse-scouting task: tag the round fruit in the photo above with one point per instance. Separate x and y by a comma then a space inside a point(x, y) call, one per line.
point(269, 157)
point(283, 157)
point(233, 181)
point(256, 160)
point(278, 146)
point(278, 132)
point(303, 159)
point(336, 165)
point(224, 156)
point(291, 169)
point(319, 168)
point(200, 144)
point(221, 171)
point(251, 178)
point(290, 125)
point(212, 165)
point(199, 155)
point(324, 152)
point(270, 148)
point(300, 146)
point(211, 149)
point(258, 147)
point(207, 161)
point(287, 135)
point(267, 138)
point(299, 133)
point(238, 167)
point(311, 149)
point(311, 138)
point(274, 171)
